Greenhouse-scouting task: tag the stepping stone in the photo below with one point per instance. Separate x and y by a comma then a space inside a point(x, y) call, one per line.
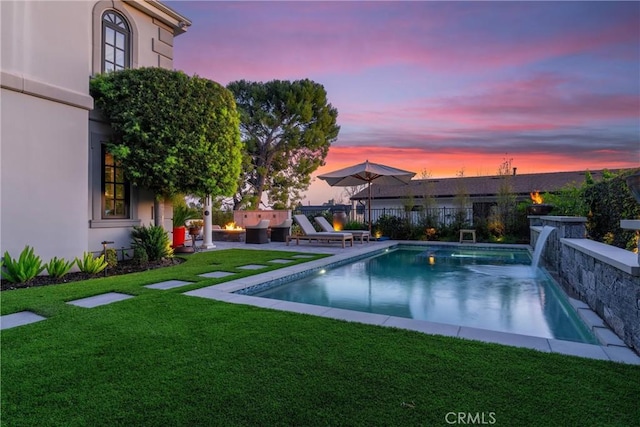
point(18, 319)
point(252, 267)
point(216, 274)
point(169, 284)
point(281, 261)
point(302, 256)
point(102, 299)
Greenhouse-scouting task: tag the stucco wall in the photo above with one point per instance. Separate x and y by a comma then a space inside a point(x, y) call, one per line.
point(48, 42)
point(44, 176)
point(48, 54)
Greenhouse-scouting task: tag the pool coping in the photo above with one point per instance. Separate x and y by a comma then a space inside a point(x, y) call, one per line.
point(611, 347)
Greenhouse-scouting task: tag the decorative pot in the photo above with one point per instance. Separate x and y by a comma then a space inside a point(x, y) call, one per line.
point(339, 220)
point(539, 209)
point(178, 236)
point(194, 231)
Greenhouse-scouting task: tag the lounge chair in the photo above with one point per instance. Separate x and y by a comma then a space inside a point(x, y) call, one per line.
point(280, 232)
point(257, 233)
point(328, 228)
point(311, 234)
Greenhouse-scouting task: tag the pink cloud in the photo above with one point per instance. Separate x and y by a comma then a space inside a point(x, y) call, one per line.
point(261, 41)
point(540, 102)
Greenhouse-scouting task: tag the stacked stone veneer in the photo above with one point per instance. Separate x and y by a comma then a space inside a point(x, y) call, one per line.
point(591, 273)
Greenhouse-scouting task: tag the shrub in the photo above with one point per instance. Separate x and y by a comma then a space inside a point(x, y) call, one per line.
point(355, 225)
point(90, 265)
point(25, 268)
point(112, 257)
point(58, 267)
point(221, 217)
point(154, 240)
point(394, 227)
point(140, 256)
point(610, 201)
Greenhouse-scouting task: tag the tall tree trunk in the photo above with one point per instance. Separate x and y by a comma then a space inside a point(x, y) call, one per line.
point(158, 211)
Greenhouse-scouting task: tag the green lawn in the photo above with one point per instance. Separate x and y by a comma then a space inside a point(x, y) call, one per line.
point(166, 359)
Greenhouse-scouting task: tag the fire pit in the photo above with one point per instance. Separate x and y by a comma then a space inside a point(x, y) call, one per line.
point(230, 233)
point(538, 207)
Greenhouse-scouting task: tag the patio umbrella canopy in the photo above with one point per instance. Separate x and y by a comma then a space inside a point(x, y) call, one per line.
point(366, 173)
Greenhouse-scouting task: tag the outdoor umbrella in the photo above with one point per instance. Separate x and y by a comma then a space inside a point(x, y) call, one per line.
point(366, 173)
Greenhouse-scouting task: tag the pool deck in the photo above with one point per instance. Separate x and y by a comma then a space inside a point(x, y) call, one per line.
point(611, 348)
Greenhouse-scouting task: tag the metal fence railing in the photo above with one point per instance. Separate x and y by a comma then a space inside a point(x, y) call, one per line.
point(440, 216)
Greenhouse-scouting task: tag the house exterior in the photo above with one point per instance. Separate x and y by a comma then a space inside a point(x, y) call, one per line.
point(481, 192)
point(61, 192)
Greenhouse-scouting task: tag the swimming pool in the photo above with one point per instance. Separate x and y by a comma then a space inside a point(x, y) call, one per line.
point(490, 289)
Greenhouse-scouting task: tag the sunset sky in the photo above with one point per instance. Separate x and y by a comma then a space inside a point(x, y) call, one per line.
point(441, 86)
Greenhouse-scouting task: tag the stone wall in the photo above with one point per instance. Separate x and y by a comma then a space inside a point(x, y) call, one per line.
point(275, 217)
point(604, 277)
point(612, 293)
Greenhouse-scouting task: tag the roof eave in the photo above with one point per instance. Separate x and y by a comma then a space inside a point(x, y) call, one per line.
point(163, 13)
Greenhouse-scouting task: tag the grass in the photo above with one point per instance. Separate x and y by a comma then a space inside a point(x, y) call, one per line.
point(164, 358)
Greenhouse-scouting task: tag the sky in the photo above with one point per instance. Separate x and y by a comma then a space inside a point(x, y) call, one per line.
point(441, 88)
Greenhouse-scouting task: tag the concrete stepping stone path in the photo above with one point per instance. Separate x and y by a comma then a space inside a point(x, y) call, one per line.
point(252, 267)
point(98, 300)
point(169, 284)
point(18, 319)
point(281, 261)
point(216, 274)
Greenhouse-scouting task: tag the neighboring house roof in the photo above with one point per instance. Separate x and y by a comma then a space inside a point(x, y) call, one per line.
point(312, 209)
point(479, 186)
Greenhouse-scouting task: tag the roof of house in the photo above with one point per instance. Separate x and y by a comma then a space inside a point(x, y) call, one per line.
point(478, 186)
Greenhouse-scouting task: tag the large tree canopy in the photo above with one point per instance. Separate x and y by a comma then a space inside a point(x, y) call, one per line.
point(288, 128)
point(172, 133)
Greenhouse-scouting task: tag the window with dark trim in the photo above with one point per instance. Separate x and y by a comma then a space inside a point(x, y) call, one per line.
point(115, 189)
point(115, 42)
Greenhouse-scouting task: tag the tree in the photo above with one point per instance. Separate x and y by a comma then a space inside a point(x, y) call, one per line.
point(462, 200)
point(171, 133)
point(506, 208)
point(287, 128)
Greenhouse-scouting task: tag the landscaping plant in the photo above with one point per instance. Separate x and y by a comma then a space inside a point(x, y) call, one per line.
point(166, 123)
point(140, 256)
point(154, 240)
point(111, 257)
point(182, 213)
point(58, 267)
point(90, 265)
point(610, 201)
point(25, 268)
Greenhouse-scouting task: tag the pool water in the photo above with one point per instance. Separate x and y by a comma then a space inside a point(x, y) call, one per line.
point(492, 289)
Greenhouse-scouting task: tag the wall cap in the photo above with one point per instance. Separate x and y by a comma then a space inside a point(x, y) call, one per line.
point(619, 258)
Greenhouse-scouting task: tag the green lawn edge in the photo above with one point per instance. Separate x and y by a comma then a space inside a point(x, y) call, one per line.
point(164, 358)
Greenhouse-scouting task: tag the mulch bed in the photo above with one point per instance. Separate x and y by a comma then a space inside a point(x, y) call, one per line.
point(123, 267)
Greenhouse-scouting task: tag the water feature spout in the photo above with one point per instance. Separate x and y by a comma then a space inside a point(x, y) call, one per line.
point(542, 239)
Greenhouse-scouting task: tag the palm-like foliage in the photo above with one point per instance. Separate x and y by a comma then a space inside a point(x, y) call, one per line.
point(154, 240)
point(25, 268)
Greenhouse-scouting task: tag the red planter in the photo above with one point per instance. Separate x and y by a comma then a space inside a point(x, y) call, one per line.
point(178, 236)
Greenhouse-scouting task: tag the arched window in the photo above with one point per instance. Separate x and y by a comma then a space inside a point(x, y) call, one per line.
point(116, 50)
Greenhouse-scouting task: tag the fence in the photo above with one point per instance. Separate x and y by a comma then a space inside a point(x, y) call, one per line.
point(440, 216)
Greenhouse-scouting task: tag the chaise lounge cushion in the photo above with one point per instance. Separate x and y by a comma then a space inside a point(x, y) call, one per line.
point(311, 234)
point(328, 228)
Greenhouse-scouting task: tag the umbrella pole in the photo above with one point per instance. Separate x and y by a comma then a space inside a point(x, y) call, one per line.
point(369, 207)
